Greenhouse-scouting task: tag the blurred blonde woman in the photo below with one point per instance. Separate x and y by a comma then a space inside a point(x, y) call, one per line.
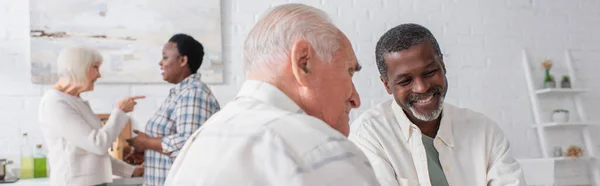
point(77, 141)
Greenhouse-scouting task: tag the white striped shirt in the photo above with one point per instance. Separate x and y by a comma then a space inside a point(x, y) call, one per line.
point(264, 138)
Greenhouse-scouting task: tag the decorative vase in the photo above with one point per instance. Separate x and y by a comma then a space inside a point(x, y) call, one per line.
point(558, 151)
point(549, 80)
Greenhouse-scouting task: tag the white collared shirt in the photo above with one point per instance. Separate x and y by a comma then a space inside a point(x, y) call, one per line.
point(473, 150)
point(264, 138)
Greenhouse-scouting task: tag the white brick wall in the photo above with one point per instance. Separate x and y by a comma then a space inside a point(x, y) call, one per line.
point(481, 39)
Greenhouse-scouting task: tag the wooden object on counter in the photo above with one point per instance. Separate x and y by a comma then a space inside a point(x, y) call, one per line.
point(120, 144)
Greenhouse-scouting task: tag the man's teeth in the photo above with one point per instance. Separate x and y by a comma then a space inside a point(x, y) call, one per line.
point(425, 100)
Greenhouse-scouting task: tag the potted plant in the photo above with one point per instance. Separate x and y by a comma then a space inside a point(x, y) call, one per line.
point(565, 83)
point(549, 82)
point(560, 116)
point(548, 79)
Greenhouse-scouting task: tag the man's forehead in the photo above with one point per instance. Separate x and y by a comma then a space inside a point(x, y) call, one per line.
point(348, 53)
point(351, 60)
point(422, 50)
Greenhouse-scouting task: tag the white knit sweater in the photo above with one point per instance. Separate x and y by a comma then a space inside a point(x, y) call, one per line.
point(78, 143)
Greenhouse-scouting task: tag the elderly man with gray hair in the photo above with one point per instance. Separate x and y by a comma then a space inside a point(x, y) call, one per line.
point(289, 122)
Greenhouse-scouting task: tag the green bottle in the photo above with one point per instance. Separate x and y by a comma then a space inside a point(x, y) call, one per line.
point(26, 158)
point(39, 163)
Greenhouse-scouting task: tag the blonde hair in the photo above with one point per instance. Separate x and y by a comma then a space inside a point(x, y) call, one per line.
point(272, 38)
point(73, 63)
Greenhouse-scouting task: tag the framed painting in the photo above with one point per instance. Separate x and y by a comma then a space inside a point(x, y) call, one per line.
point(129, 35)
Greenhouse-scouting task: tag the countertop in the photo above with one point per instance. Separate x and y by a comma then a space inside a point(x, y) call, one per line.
point(44, 181)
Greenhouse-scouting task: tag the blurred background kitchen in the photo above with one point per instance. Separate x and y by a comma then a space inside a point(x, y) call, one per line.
point(493, 50)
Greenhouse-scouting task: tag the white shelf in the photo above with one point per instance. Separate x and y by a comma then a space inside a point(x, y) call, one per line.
point(537, 165)
point(560, 91)
point(574, 124)
point(583, 158)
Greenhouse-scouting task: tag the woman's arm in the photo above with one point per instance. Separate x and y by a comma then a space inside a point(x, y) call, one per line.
point(61, 119)
point(192, 109)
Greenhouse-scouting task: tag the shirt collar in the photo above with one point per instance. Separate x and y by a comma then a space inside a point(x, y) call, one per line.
point(268, 94)
point(444, 132)
point(190, 80)
point(405, 124)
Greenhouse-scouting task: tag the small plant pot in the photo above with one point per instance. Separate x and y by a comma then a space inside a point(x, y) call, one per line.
point(560, 117)
point(549, 84)
point(565, 84)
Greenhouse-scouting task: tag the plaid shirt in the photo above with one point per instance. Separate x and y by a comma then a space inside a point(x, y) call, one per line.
point(188, 106)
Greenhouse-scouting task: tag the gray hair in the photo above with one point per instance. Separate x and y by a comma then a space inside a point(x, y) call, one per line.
point(272, 38)
point(73, 63)
point(400, 38)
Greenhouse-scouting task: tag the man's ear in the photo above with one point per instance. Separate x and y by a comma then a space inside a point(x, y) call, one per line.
point(385, 84)
point(443, 66)
point(301, 58)
point(183, 61)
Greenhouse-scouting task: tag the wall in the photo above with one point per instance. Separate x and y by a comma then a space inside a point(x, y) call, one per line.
point(481, 40)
